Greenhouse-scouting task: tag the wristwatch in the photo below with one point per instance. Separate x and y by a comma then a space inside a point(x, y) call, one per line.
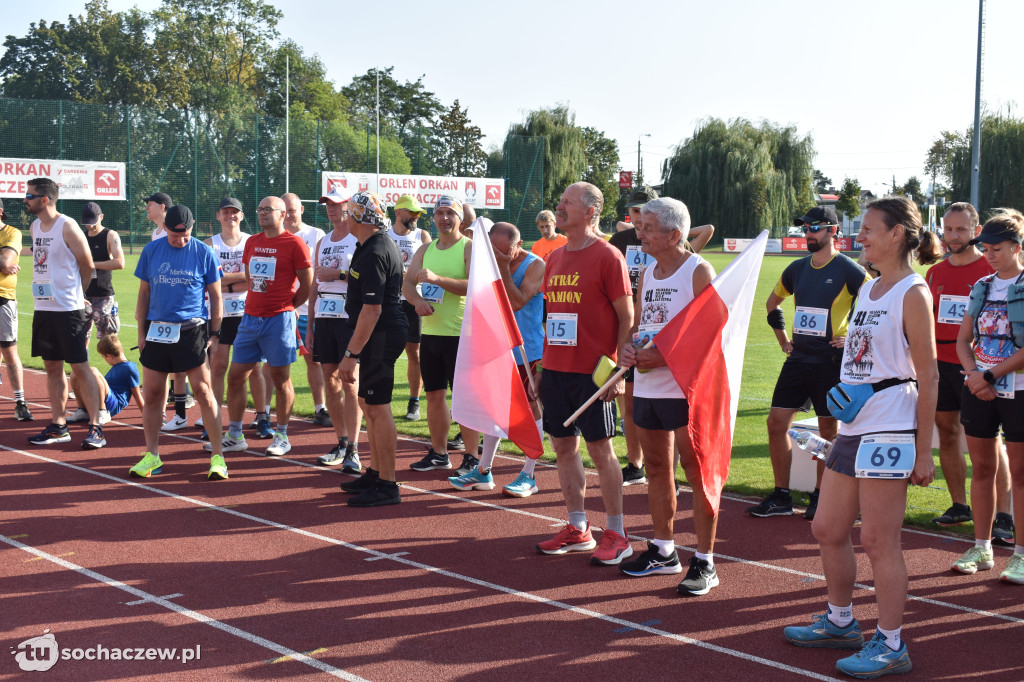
point(342, 276)
point(215, 333)
point(989, 377)
point(350, 354)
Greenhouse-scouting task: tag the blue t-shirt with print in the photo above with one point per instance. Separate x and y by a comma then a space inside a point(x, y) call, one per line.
point(177, 278)
point(121, 379)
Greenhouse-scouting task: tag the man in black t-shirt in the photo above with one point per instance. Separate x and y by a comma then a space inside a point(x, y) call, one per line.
point(107, 256)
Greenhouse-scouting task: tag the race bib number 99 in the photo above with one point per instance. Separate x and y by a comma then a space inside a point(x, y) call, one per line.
point(885, 455)
point(164, 332)
point(561, 329)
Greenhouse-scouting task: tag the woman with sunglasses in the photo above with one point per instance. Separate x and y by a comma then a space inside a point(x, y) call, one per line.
point(990, 349)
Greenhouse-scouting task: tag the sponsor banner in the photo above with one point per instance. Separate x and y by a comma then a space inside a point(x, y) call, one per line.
point(477, 192)
point(773, 246)
point(88, 180)
point(794, 244)
point(736, 245)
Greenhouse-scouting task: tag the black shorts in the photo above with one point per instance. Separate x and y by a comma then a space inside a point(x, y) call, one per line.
point(803, 384)
point(562, 394)
point(228, 329)
point(951, 386)
point(330, 339)
point(842, 458)
point(982, 418)
point(61, 335)
point(187, 354)
point(377, 365)
point(414, 320)
point(437, 361)
point(661, 414)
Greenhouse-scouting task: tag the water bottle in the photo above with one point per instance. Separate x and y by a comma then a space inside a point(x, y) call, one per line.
point(816, 446)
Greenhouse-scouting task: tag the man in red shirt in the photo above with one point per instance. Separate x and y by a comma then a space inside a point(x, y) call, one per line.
point(274, 260)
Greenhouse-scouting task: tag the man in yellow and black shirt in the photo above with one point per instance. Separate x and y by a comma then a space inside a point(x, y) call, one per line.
point(10, 249)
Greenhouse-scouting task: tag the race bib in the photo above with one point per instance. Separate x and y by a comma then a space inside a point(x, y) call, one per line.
point(636, 258)
point(885, 455)
point(561, 329)
point(333, 306)
point(42, 291)
point(1005, 386)
point(164, 332)
point(810, 321)
point(432, 293)
point(952, 309)
point(234, 307)
point(262, 266)
point(645, 333)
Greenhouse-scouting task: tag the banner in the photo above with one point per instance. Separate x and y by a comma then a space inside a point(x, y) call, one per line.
point(800, 244)
point(736, 245)
point(88, 180)
point(477, 192)
point(773, 246)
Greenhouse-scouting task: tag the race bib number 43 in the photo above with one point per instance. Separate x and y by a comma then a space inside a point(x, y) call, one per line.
point(885, 455)
point(952, 309)
point(561, 329)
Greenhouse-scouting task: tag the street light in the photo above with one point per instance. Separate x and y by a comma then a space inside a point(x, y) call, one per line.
point(642, 135)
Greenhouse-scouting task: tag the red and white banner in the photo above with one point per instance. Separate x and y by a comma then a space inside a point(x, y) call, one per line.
point(88, 180)
point(477, 192)
point(488, 396)
point(703, 346)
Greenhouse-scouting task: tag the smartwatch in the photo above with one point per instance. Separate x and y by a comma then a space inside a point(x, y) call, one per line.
point(342, 276)
point(350, 354)
point(215, 333)
point(989, 377)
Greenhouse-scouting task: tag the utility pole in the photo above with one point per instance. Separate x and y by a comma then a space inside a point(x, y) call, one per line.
point(976, 147)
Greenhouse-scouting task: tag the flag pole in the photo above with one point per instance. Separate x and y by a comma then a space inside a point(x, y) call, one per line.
point(615, 377)
point(529, 377)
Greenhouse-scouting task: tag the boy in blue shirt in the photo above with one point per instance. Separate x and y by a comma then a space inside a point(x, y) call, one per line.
point(118, 387)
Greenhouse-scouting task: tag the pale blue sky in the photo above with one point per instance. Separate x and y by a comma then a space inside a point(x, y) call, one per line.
point(874, 82)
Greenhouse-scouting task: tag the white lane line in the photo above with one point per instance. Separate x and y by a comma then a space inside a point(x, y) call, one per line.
point(397, 559)
point(188, 613)
point(144, 601)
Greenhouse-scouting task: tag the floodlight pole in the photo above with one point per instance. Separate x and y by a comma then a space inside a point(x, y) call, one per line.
point(377, 72)
point(287, 121)
point(976, 147)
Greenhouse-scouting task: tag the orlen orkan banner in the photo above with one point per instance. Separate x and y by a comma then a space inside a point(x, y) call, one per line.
point(88, 180)
point(477, 192)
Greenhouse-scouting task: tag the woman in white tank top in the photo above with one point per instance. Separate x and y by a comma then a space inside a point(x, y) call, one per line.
point(891, 339)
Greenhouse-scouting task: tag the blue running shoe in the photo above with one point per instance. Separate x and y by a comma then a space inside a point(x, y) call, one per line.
point(523, 486)
point(473, 480)
point(263, 428)
point(876, 659)
point(826, 634)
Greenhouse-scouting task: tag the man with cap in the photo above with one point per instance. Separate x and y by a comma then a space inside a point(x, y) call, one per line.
point(157, 205)
point(823, 286)
point(441, 269)
point(10, 250)
point(61, 267)
point(107, 256)
point(229, 246)
point(274, 260)
point(172, 313)
point(378, 325)
point(329, 336)
point(409, 238)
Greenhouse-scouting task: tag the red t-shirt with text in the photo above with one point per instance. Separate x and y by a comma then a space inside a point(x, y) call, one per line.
point(946, 279)
point(272, 264)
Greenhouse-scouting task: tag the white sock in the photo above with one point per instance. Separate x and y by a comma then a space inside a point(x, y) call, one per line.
point(530, 465)
point(578, 520)
point(1018, 549)
point(266, 409)
point(490, 449)
point(665, 547)
point(985, 544)
point(892, 638)
point(840, 616)
point(710, 558)
point(540, 429)
point(615, 524)
point(319, 406)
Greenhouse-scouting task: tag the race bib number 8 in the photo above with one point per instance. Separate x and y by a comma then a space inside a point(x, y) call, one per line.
point(432, 293)
point(42, 291)
point(164, 332)
point(234, 307)
point(952, 309)
point(561, 329)
point(810, 321)
point(885, 455)
point(333, 307)
point(260, 266)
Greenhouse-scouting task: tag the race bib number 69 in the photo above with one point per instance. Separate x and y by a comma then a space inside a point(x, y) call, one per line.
point(885, 455)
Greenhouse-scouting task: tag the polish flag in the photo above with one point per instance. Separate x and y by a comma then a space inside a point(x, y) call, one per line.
point(488, 395)
point(703, 346)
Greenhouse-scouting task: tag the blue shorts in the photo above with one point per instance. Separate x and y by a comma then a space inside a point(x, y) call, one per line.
point(116, 403)
point(303, 321)
point(272, 338)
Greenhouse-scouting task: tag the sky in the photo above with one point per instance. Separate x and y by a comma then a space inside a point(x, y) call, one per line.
point(873, 82)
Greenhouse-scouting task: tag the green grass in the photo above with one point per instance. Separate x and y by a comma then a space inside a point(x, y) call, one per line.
point(750, 472)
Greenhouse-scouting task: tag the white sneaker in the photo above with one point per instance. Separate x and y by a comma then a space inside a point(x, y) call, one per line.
point(78, 415)
point(228, 444)
point(176, 423)
point(190, 402)
point(199, 423)
point(104, 417)
point(280, 445)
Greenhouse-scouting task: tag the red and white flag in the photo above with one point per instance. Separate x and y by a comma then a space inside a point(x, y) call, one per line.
point(703, 346)
point(488, 394)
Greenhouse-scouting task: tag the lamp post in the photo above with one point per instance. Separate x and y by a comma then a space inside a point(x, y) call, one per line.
point(642, 135)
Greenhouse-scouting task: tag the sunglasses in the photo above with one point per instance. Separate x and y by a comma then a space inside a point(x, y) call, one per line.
point(30, 197)
point(815, 229)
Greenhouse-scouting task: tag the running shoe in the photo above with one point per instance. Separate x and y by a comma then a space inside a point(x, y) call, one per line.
point(204, 436)
point(333, 458)
point(612, 550)
point(468, 463)
point(149, 464)
point(94, 439)
point(280, 445)
point(365, 482)
point(79, 415)
point(474, 479)
point(190, 402)
point(775, 504)
point(432, 460)
point(876, 659)
point(263, 428)
point(322, 418)
point(412, 413)
point(22, 412)
point(975, 559)
point(381, 494)
point(958, 513)
point(569, 539)
point(823, 633)
point(633, 475)
point(524, 485)
point(175, 423)
point(229, 444)
point(1003, 530)
point(456, 443)
point(1014, 572)
point(53, 433)
point(351, 463)
point(104, 416)
point(812, 506)
point(652, 562)
point(218, 469)
point(701, 577)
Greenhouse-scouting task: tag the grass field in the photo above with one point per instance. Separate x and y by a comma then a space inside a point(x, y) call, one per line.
point(750, 472)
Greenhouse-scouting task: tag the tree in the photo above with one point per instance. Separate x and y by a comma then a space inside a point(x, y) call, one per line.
point(456, 144)
point(849, 198)
point(1002, 157)
point(310, 89)
point(565, 148)
point(822, 184)
point(602, 155)
point(404, 106)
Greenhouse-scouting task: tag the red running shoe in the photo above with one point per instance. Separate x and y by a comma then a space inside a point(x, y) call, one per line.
point(569, 539)
point(614, 548)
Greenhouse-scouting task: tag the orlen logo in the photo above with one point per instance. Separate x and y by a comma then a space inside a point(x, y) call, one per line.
point(108, 182)
point(336, 182)
point(492, 195)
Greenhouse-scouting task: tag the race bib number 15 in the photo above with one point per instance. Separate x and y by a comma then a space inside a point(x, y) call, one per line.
point(561, 329)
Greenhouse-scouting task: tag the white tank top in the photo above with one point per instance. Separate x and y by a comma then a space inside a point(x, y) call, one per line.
point(335, 254)
point(660, 300)
point(407, 245)
point(56, 279)
point(311, 235)
point(230, 258)
point(877, 349)
point(158, 233)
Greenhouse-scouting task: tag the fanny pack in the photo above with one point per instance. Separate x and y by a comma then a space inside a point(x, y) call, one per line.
point(845, 401)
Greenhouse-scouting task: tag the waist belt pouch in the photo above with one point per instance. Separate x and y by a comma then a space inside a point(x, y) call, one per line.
point(844, 401)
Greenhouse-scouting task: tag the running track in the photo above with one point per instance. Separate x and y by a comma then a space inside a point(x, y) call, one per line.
point(273, 576)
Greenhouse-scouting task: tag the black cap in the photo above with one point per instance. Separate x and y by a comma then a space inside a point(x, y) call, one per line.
point(819, 215)
point(641, 195)
point(994, 233)
point(179, 219)
point(91, 213)
point(160, 198)
point(230, 202)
